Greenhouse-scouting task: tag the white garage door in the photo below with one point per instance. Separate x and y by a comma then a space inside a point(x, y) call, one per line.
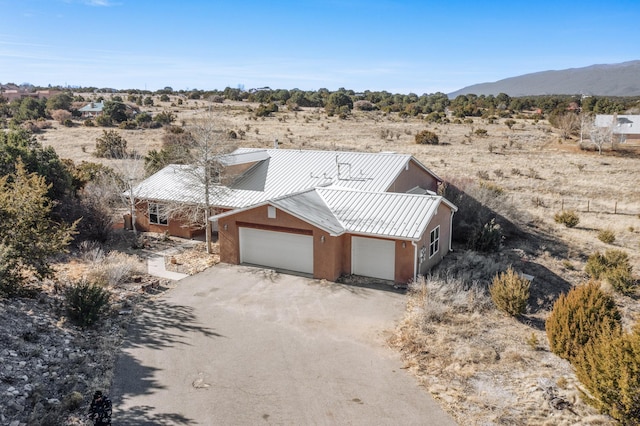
point(280, 250)
point(371, 257)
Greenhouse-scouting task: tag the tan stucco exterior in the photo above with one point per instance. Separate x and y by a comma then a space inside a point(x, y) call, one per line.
point(174, 226)
point(331, 254)
point(414, 175)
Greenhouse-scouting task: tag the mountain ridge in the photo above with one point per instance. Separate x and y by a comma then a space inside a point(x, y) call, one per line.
point(621, 79)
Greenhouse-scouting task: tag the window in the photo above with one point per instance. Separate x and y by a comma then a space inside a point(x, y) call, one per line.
point(434, 244)
point(271, 212)
point(157, 214)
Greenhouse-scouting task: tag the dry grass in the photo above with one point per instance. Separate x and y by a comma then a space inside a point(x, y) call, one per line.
point(484, 368)
point(480, 364)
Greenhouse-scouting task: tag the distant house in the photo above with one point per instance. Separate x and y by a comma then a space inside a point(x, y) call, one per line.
point(92, 109)
point(323, 213)
point(12, 92)
point(624, 127)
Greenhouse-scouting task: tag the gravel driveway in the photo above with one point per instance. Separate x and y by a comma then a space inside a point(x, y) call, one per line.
point(244, 346)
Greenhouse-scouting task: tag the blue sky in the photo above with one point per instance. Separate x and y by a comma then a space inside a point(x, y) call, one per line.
point(398, 46)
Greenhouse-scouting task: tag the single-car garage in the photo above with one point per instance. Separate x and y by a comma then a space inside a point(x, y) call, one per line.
point(280, 250)
point(372, 257)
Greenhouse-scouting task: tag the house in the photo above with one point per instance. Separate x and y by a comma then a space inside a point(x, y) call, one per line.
point(92, 109)
point(12, 92)
point(330, 231)
point(623, 127)
point(323, 213)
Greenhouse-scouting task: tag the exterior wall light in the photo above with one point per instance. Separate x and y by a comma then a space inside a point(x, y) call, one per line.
point(322, 239)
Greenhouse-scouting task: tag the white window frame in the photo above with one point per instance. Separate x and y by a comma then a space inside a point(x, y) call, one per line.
point(434, 241)
point(158, 211)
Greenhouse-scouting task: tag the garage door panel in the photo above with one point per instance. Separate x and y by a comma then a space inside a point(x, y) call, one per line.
point(371, 257)
point(281, 250)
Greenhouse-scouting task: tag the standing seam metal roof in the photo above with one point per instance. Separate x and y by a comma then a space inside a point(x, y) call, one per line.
point(277, 172)
point(384, 214)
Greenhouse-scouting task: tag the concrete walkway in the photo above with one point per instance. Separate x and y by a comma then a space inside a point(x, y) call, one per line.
point(156, 264)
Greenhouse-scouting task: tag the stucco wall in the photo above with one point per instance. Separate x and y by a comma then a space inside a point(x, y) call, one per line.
point(442, 219)
point(331, 257)
point(414, 176)
point(327, 254)
point(174, 226)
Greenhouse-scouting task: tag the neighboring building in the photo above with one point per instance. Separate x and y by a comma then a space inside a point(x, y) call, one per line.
point(623, 127)
point(324, 213)
point(12, 92)
point(92, 109)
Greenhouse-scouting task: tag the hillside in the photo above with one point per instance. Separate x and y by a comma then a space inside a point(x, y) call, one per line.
point(621, 79)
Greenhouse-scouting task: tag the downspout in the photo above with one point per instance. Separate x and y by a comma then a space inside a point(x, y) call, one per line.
point(415, 260)
point(451, 230)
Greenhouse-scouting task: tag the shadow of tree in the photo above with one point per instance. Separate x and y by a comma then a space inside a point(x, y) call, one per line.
point(134, 416)
point(162, 324)
point(158, 325)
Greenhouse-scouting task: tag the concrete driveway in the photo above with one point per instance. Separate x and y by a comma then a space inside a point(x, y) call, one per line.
point(236, 345)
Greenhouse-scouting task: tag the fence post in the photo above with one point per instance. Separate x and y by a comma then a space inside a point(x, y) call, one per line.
point(588, 201)
point(562, 209)
point(615, 208)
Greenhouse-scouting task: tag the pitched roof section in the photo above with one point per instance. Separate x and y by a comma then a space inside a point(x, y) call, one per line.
point(620, 124)
point(174, 183)
point(92, 107)
point(292, 171)
point(339, 210)
point(280, 172)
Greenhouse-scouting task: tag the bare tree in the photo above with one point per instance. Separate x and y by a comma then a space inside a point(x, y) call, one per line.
point(600, 135)
point(567, 123)
point(129, 171)
point(210, 142)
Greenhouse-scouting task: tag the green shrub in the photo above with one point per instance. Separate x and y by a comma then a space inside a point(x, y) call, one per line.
point(165, 118)
point(609, 368)
point(486, 238)
point(73, 401)
point(427, 137)
point(568, 218)
point(128, 125)
point(480, 132)
point(164, 98)
point(88, 123)
point(613, 267)
point(578, 317)
point(606, 236)
point(510, 292)
point(533, 342)
point(103, 121)
point(620, 279)
point(266, 110)
point(111, 145)
point(86, 302)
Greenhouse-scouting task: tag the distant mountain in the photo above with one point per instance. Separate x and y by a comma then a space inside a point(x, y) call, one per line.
point(605, 80)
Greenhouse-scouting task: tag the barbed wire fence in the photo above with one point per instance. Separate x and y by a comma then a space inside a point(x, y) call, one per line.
point(585, 205)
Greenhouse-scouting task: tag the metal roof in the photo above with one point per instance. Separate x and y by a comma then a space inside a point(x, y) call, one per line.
point(620, 124)
point(342, 210)
point(291, 170)
point(386, 214)
point(92, 107)
point(278, 172)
